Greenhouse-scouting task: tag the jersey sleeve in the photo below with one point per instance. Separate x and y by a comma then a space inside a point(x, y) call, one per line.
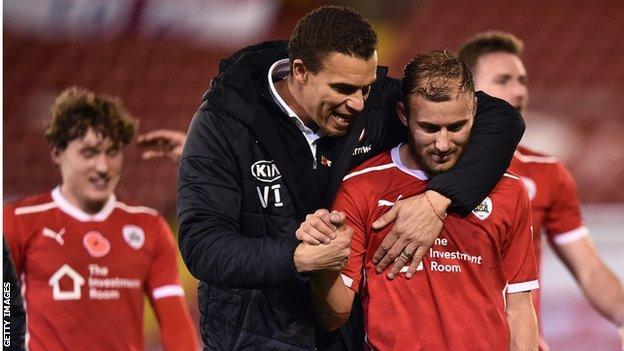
point(163, 280)
point(564, 222)
point(352, 272)
point(519, 262)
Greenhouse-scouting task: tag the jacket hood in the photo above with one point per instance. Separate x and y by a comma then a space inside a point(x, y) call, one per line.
point(242, 78)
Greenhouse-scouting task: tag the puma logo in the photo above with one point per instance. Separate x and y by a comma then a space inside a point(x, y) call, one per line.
point(383, 202)
point(58, 236)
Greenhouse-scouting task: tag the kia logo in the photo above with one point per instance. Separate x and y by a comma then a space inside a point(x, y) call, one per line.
point(265, 171)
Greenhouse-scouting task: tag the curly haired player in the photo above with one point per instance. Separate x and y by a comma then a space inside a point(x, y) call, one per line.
point(85, 257)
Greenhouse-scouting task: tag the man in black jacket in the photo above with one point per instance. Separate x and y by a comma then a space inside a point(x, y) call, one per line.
point(264, 156)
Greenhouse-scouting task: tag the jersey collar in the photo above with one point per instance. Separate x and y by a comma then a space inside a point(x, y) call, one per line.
point(79, 214)
point(396, 159)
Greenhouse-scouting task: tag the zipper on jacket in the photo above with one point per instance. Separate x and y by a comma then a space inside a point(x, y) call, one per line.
point(241, 320)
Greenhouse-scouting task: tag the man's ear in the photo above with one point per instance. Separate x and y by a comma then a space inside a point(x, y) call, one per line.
point(402, 113)
point(299, 71)
point(55, 154)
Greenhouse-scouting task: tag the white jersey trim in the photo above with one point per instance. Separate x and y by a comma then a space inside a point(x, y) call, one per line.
point(167, 291)
point(511, 176)
point(347, 280)
point(79, 214)
point(136, 209)
point(522, 287)
point(571, 236)
point(396, 159)
point(369, 169)
point(35, 208)
point(534, 159)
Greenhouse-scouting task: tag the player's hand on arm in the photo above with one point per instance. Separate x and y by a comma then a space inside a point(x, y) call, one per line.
point(333, 256)
point(417, 223)
point(317, 228)
point(162, 143)
point(522, 322)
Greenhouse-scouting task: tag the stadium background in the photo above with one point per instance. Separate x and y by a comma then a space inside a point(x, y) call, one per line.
point(158, 56)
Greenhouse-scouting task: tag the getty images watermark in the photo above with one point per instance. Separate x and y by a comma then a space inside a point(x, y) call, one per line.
point(6, 314)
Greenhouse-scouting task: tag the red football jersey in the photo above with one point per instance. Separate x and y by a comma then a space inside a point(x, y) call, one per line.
point(84, 275)
point(555, 204)
point(456, 300)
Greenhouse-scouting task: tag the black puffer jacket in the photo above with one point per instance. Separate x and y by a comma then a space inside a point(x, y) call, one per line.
point(238, 206)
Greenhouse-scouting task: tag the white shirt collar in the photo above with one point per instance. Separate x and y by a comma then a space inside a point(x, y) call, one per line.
point(279, 70)
point(79, 214)
point(396, 159)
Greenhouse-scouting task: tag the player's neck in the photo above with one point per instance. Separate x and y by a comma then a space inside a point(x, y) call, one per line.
point(89, 207)
point(407, 158)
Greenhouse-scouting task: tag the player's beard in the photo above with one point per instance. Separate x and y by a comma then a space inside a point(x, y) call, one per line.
point(423, 158)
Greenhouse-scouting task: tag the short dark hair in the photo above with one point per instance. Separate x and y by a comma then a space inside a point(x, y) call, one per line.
point(76, 110)
point(487, 43)
point(331, 29)
point(437, 76)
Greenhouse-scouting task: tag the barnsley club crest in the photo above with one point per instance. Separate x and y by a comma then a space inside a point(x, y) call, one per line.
point(484, 210)
point(134, 236)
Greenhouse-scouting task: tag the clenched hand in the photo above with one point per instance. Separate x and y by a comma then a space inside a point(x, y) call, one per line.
point(333, 256)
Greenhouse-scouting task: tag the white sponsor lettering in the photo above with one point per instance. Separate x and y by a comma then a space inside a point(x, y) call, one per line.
point(453, 268)
point(95, 294)
point(435, 254)
point(362, 150)
point(103, 287)
point(263, 195)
